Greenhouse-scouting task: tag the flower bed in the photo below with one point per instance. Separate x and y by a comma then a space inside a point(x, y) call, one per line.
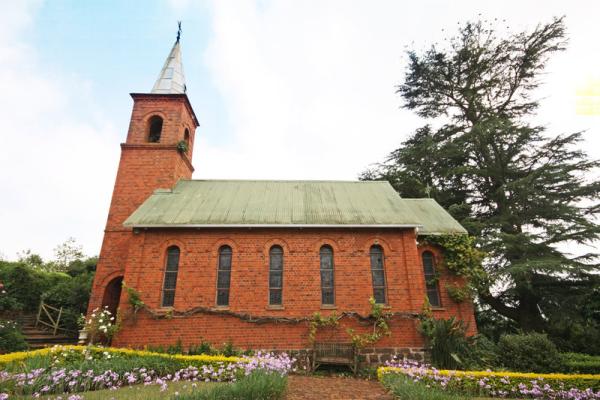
point(72, 369)
point(497, 383)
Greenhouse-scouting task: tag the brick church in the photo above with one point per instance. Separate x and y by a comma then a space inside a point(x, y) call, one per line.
point(249, 262)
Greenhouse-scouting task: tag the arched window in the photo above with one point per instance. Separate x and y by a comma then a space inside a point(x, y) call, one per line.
point(186, 136)
point(327, 285)
point(155, 129)
point(171, 268)
point(431, 279)
point(378, 274)
point(275, 275)
point(224, 276)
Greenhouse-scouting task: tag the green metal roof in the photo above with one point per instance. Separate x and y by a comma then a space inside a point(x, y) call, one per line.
point(245, 203)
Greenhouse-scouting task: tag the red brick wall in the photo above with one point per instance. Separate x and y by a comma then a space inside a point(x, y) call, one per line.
point(140, 258)
point(196, 285)
point(143, 167)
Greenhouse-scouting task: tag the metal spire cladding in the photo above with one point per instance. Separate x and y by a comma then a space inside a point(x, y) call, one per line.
point(171, 79)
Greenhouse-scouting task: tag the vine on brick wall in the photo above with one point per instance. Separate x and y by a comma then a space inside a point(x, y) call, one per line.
point(318, 321)
point(134, 298)
point(461, 257)
point(381, 326)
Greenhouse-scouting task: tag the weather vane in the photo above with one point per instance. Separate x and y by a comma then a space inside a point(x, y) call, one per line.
point(178, 31)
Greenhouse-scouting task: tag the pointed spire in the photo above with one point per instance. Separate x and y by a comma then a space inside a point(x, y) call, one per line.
point(171, 79)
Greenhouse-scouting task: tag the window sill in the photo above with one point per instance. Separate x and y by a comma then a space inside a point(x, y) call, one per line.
point(221, 308)
point(275, 307)
point(165, 310)
point(328, 307)
point(438, 308)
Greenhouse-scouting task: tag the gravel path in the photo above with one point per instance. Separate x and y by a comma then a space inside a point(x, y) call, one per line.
point(334, 388)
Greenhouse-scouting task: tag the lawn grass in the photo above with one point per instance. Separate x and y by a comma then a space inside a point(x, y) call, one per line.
point(138, 392)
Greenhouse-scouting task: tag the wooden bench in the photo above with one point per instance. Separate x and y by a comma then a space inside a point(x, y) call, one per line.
point(334, 353)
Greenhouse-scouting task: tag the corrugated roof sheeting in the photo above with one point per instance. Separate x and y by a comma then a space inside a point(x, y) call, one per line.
point(302, 203)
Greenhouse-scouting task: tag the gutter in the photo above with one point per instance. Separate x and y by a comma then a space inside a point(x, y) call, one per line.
point(300, 226)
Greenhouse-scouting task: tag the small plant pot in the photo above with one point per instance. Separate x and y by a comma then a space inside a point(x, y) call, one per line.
point(83, 336)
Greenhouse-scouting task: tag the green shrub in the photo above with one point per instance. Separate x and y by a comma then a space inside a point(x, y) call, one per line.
point(229, 351)
point(176, 348)
point(581, 363)
point(482, 354)
point(405, 388)
point(203, 348)
point(259, 385)
point(72, 295)
point(532, 352)
point(447, 341)
point(11, 338)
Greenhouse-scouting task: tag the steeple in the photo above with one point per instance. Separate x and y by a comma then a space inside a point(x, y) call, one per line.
point(171, 79)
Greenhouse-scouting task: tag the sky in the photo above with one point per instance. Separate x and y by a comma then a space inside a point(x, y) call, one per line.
point(282, 90)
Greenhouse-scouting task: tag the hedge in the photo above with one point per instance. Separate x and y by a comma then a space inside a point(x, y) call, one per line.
point(502, 383)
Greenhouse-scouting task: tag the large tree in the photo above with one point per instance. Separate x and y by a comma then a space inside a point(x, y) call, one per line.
point(525, 193)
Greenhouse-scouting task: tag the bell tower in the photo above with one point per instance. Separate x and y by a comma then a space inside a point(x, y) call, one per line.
point(156, 154)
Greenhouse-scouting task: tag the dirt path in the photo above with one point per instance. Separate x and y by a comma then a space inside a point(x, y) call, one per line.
point(334, 388)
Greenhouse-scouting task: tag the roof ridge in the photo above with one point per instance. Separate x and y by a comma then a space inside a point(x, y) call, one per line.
point(280, 180)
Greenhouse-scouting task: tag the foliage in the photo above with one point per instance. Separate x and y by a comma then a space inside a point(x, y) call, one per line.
point(458, 294)
point(461, 256)
point(203, 348)
point(381, 326)
point(101, 324)
point(65, 369)
point(482, 353)
point(11, 338)
point(229, 350)
point(72, 295)
point(134, 298)
point(522, 192)
point(318, 321)
point(404, 387)
point(492, 324)
point(30, 259)
point(259, 385)
point(581, 363)
point(182, 146)
point(25, 285)
point(67, 252)
point(529, 352)
point(497, 384)
point(446, 340)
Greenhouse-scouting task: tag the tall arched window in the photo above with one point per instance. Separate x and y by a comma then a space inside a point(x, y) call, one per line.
point(378, 274)
point(275, 275)
point(171, 268)
point(155, 129)
point(186, 136)
point(224, 276)
point(431, 279)
point(327, 285)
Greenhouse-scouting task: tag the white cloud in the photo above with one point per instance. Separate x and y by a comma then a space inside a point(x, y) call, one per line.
point(309, 86)
point(57, 167)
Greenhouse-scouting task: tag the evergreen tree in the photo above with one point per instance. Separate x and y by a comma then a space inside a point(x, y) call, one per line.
point(522, 192)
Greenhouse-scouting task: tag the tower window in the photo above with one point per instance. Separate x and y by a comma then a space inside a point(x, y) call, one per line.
point(327, 296)
point(171, 268)
point(275, 275)
point(186, 136)
point(378, 274)
point(431, 279)
point(224, 276)
point(155, 129)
